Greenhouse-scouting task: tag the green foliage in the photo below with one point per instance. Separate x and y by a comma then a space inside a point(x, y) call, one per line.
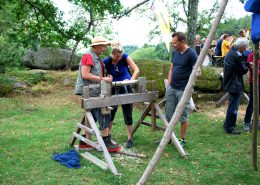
point(154, 70)
point(10, 55)
point(129, 49)
point(5, 85)
point(158, 52)
point(158, 71)
point(209, 80)
point(32, 77)
point(232, 26)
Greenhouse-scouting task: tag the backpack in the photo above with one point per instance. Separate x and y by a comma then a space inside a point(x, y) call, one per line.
point(255, 28)
point(252, 6)
point(109, 64)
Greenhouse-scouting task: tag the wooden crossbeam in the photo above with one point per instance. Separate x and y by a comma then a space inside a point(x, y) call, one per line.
point(173, 136)
point(98, 102)
point(89, 130)
point(85, 140)
point(156, 126)
point(101, 143)
point(93, 159)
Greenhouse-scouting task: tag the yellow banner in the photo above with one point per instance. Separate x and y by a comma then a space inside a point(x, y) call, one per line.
point(163, 18)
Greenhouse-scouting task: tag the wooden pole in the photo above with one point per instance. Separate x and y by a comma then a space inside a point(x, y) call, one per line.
point(185, 97)
point(255, 104)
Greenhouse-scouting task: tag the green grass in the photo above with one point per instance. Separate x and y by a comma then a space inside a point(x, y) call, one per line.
point(32, 128)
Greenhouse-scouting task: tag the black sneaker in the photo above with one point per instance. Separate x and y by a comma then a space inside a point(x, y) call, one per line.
point(129, 143)
point(234, 132)
point(182, 142)
point(111, 147)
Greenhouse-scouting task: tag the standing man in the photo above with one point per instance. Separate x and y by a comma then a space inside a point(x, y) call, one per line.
point(91, 71)
point(235, 66)
point(183, 60)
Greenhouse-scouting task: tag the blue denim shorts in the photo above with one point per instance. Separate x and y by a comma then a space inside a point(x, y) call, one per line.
point(173, 97)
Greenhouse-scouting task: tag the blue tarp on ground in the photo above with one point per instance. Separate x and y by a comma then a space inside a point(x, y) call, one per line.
point(69, 159)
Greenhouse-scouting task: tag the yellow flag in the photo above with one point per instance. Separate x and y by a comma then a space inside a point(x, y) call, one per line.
point(164, 20)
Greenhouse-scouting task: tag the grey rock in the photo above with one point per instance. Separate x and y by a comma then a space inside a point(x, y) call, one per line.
point(49, 59)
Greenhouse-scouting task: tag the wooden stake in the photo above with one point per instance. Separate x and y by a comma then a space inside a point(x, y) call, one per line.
point(185, 97)
point(255, 104)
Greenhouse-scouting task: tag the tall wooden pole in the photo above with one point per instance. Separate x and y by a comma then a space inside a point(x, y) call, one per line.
point(255, 104)
point(185, 97)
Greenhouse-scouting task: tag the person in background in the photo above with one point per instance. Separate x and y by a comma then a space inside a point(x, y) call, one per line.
point(198, 44)
point(91, 71)
point(235, 66)
point(183, 60)
point(249, 109)
point(242, 33)
point(225, 47)
point(203, 42)
point(218, 46)
point(118, 65)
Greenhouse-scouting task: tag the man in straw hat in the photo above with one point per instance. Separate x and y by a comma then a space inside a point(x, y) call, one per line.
point(91, 71)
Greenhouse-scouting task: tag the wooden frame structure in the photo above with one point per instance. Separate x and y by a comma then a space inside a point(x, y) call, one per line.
point(105, 101)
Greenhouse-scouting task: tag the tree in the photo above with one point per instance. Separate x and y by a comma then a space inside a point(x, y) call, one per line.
point(34, 23)
point(232, 26)
point(191, 12)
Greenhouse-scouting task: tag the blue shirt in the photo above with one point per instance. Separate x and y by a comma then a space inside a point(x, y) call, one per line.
point(120, 71)
point(182, 68)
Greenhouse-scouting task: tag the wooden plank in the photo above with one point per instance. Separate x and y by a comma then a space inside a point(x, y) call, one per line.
point(222, 99)
point(95, 160)
point(173, 136)
point(153, 116)
point(100, 141)
point(89, 130)
point(156, 115)
point(97, 102)
point(162, 102)
point(144, 114)
point(77, 130)
point(141, 84)
point(85, 140)
point(150, 125)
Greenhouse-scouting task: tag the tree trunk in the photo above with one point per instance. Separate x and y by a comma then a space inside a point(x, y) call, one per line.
point(192, 22)
point(186, 95)
point(68, 65)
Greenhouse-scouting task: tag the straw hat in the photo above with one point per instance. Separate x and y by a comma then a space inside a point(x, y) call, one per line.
point(99, 40)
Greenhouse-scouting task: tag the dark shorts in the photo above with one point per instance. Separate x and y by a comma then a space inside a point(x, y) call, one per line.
point(127, 108)
point(104, 120)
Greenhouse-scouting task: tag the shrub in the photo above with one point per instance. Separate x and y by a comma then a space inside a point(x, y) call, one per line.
point(5, 86)
point(158, 70)
point(32, 76)
point(10, 55)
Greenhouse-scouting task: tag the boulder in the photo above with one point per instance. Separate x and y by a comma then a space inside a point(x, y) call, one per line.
point(49, 59)
point(11, 85)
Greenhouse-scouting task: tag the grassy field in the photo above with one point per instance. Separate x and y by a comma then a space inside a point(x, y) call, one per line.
point(32, 128)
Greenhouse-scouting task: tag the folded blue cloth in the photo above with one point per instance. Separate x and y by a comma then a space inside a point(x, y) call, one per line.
point(69, 159)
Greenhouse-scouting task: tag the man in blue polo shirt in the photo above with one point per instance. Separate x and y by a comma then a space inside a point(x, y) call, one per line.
point(183, 60)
